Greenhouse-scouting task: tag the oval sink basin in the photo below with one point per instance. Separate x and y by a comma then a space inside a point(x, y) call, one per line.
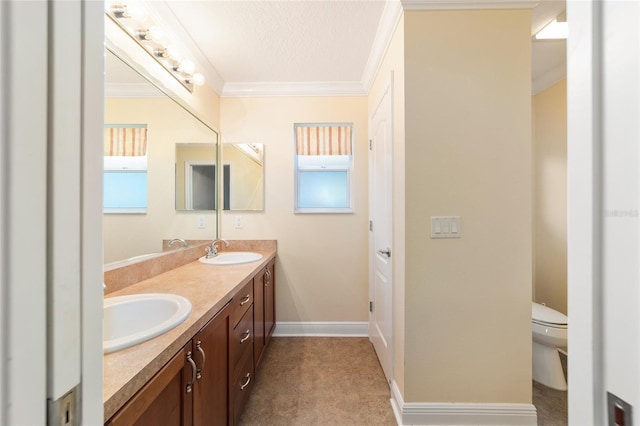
point(231, 258)
point(129, 320)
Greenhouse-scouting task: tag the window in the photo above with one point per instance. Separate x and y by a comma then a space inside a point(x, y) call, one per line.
point(125, 168)
point(323, 168)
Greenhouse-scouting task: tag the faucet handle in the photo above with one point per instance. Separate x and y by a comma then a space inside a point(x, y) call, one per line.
point(211, 251)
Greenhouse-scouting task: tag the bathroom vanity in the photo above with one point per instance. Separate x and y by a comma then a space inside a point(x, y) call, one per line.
point(202, 371)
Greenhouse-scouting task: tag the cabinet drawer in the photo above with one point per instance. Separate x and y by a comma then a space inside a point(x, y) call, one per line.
point(242, 385)
point(242, 340)
point(241, 303)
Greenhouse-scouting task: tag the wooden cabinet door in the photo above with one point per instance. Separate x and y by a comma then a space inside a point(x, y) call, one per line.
point(241, 386)
point(211, 351)
point(164, 400)
point(258, 316)
point(269, 302)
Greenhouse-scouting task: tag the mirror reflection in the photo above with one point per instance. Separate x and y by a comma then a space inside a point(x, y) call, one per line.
point(195, 176)
point(133, 102)
point(243, 176)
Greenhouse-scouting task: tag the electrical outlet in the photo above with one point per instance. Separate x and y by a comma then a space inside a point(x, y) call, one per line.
point(239, 223)
point(201, 222)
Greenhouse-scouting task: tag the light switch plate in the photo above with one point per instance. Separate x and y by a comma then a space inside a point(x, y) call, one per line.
point(445, 227)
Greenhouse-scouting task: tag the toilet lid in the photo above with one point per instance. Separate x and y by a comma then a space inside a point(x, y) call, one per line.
point(541, 313)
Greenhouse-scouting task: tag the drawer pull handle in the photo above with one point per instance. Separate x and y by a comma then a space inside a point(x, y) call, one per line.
point(204, 359)
point(193, 372)
point(247, 334)
point(245, 300)
point(245, 384)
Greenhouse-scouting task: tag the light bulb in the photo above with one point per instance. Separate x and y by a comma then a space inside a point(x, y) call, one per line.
point(197, 79)
point(137, 12)
point(174, 53)
point(157, 34)
point(187, 66)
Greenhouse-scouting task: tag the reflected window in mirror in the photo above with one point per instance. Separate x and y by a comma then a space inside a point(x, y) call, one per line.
point(132, 95)
point(125, 168)
point(242, 176)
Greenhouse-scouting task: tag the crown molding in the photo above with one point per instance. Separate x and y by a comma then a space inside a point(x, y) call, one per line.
point(388, 23)
point(468, 5)
point(391, 16)
point(387, 27)
point(327, 88)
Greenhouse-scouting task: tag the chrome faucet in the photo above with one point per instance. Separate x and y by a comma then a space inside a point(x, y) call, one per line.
point(178, 240)
point(212, 250)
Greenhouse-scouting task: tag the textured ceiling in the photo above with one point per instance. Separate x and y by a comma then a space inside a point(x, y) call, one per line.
point(276, 42)
point(282, 41)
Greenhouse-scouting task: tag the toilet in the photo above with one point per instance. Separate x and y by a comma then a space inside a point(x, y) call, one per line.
point(549, 330)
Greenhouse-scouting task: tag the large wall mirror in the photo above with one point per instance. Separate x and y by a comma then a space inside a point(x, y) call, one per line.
point(133, 102)
point(242, 176)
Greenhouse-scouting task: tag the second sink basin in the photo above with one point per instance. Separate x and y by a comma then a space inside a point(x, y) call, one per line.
point(129, 320)
point(232, 258)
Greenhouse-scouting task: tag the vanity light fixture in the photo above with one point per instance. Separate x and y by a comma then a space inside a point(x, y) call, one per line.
point(154, 40)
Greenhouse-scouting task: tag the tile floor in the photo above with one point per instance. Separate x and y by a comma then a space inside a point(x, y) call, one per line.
point(551, 404)
point(319, 381)
point(315, 381)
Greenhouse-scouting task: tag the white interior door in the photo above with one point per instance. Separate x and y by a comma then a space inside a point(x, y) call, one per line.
point(380, 245)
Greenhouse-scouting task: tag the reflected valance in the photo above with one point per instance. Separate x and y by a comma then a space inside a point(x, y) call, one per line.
point(125, 141)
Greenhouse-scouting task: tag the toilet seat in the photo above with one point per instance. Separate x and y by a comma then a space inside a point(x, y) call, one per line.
point(547, 317)
point(550, 325)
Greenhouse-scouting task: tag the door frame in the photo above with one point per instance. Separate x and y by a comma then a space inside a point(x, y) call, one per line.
point(584, 215)
point(31, 95)
point(188, 180)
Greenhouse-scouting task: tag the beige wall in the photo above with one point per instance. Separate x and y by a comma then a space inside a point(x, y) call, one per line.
point(167, 123)
point(322, 258)
point(468, 153)
point(394, 62)
point(550, 196)
point(205, 103)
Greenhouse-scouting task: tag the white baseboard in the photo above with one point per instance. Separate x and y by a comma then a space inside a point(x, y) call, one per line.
point(442, 413)
point(321, 329)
